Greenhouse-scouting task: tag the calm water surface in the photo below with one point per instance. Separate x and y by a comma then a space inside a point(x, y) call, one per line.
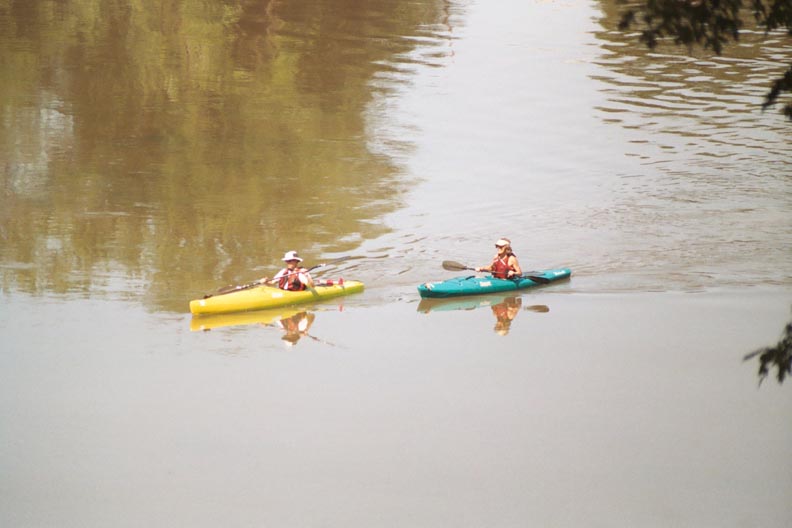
point(150, 153)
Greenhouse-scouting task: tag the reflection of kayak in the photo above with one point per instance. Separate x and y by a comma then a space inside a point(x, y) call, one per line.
point(262, 297)
point(264, 317)
point(481, 285)
point(461, 303)
point(504, 306)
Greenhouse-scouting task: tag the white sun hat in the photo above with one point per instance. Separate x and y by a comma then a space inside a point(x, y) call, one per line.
point(291, 255)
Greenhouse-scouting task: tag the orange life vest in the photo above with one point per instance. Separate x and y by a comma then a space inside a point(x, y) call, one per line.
point(501, 267)
point(291, 280)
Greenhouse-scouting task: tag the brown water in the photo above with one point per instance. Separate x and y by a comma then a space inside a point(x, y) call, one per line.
point(151, 152)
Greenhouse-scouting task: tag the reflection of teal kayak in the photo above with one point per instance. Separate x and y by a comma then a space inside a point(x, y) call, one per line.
point(462, 303)
point(481, 285)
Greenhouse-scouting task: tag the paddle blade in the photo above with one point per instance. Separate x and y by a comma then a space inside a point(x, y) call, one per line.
point(339, 260)
point(450, 265)
point(537, 279)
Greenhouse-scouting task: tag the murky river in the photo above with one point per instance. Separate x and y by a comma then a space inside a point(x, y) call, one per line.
point(151, 152)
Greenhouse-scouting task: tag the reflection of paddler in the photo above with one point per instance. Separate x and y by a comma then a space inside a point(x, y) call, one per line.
point(296, 326)
point(504, 313)
point(262, 317)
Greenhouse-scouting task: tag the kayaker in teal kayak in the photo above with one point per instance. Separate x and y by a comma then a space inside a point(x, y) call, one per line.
point(504, 264)
point(292, 277)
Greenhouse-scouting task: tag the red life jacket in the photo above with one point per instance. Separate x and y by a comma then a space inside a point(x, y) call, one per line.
point(291, 280)
point(501, 267)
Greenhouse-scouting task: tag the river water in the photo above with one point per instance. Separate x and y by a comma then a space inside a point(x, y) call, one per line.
point(152, 152)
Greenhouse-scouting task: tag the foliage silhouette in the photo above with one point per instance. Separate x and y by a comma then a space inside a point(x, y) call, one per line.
point(711, 24)
point(778, 356)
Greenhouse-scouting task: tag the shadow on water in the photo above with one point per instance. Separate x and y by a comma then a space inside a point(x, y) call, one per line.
point(505, 308)
point(778, 357)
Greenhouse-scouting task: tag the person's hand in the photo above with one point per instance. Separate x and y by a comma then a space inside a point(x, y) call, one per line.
point(478, 269)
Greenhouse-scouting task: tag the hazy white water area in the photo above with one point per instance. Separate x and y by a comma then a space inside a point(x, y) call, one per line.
point(148, 160)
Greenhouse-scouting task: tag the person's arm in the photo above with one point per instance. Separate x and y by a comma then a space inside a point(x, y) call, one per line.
point(488, 267)
point(516, 265)
point(306, 278)
point(274, 279)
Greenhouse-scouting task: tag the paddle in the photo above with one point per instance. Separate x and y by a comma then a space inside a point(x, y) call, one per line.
point(450, 265)
point(259, 282)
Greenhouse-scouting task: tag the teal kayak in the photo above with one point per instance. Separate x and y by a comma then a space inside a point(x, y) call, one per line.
point(481, 285)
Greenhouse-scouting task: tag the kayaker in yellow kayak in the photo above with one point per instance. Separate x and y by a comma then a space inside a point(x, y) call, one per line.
point(504, 264)
point(293, 277)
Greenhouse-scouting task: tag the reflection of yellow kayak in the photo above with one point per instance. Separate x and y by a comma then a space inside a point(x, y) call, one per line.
point(262, 297)
point(264, 317)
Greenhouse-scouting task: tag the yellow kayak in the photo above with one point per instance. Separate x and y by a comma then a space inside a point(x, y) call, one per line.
point(263, 297)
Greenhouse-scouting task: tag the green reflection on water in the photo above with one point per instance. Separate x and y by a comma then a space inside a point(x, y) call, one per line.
point(178, 145)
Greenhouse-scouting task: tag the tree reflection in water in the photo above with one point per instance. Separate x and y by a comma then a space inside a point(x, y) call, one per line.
point(778, 356)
